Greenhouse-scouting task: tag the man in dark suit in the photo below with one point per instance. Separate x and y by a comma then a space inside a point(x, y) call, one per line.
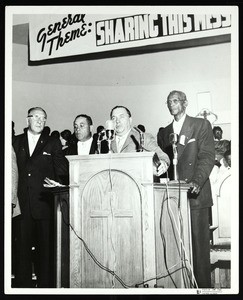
point(128, 139)
point(196, 156)
point(38, 156)
point(83, 142)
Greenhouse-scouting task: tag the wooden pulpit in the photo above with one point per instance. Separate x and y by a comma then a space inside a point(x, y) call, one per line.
point(116, 219)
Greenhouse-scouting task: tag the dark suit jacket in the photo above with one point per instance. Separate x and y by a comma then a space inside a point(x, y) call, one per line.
point(73, 148)
point(133, 141)
point(47, 160)
point(196, 156)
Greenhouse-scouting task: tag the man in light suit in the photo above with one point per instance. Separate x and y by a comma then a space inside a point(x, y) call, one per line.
point(196, 157)
point(83, 142)
point(15, 178)
point(127, 139)
point(38, 156)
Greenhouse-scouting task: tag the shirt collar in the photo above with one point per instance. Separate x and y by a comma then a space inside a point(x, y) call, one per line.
point(33, 136)
point(177, 125)
point(124, 136)
point(89, 141)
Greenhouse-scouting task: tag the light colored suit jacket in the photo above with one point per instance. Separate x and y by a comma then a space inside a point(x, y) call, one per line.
point(133, 141)
point(15, 176)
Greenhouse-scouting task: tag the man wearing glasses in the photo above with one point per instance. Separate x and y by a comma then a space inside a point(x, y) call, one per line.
point(38, 156)
point(196, 157)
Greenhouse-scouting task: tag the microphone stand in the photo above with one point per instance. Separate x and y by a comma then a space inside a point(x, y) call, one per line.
point(110, 138)
point(173, 140)
point(101, 137)
point(175, 161)
point(141, 135)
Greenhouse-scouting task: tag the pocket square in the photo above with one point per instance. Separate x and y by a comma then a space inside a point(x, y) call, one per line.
point(182, 139)
point(45, 153)
point(191, 140)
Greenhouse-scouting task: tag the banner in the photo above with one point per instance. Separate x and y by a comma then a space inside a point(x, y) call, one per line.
point(53, 36)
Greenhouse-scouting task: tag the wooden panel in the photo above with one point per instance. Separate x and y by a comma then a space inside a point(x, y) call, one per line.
point(118, 216)
point(112, 230)
point(112, 210)
point(173, 237)
point(61, 196)
point(221, 210)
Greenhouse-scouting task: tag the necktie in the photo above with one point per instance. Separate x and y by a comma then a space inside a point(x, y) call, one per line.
point(119, 144)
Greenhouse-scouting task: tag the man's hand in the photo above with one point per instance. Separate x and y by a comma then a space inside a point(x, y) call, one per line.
point(194, 187)
point(162, 168)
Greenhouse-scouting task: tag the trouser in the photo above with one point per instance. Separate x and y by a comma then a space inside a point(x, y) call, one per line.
point(31, 232)
point(201, 246)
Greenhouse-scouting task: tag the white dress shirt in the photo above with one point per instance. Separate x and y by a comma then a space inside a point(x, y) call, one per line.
point(177, 125)
point(84, 147)
point(32, 141)
point(120, 140)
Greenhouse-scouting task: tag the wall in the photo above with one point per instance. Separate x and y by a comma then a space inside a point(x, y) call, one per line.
point(140, 82)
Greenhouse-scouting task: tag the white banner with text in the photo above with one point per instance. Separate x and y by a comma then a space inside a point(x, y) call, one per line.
point(53, 36)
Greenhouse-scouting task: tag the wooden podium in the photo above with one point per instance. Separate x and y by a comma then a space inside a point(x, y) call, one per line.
point(115, 226)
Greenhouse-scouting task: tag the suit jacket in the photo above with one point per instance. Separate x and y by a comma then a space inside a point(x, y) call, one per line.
point(47, 160)
point(132, 143)
point(15, 179)
point(73, 148)
point(196, 156)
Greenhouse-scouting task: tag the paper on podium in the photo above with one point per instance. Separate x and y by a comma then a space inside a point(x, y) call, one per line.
point(49, 183)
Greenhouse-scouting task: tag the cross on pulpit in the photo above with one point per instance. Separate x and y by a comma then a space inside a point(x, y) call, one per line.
point(112, 212)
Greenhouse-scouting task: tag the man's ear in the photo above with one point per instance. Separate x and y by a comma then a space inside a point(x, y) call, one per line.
point(91, 128)
point(130, 120)
point(185, 103)
point(27, 121)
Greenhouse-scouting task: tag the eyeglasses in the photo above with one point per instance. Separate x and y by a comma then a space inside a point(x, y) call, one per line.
point(37, 118)
point(176, 101)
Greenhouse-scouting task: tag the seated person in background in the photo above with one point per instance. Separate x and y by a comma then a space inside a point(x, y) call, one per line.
point(220, 148)
point(99, 129)
point(65, 137)
point(55, 134)
point(141, 127)
point(227, 158)
point(217, 133)
point(127, 139)
point(84, 143)
point(47, 130)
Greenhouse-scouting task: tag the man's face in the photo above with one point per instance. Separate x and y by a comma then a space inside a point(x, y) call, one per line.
point(176, 106)
point(36, 121)
point(218, 134)
point(82, 129)
point(122, 121)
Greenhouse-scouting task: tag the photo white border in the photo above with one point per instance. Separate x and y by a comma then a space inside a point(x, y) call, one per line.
point(233, 10)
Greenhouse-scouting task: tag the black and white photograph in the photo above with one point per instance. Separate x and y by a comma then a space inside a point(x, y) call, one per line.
point(121, 121)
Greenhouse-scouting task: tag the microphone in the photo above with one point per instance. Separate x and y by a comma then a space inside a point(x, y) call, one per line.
point(101, 137)
point(141, 134)
point(110, 132)
point(173, 138)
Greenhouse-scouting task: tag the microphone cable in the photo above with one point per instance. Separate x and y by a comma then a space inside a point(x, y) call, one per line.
point(179, 235)
point(99, 264)
point(112, 218)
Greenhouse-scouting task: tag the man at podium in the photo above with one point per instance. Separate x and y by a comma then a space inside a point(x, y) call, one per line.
point(131, 139)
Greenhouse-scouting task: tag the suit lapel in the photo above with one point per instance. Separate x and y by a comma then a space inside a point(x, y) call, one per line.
point(133, 137)
point(169, 131)
point(184, 136)
point(113, 146)
point(26, 144)
point(127, 141)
